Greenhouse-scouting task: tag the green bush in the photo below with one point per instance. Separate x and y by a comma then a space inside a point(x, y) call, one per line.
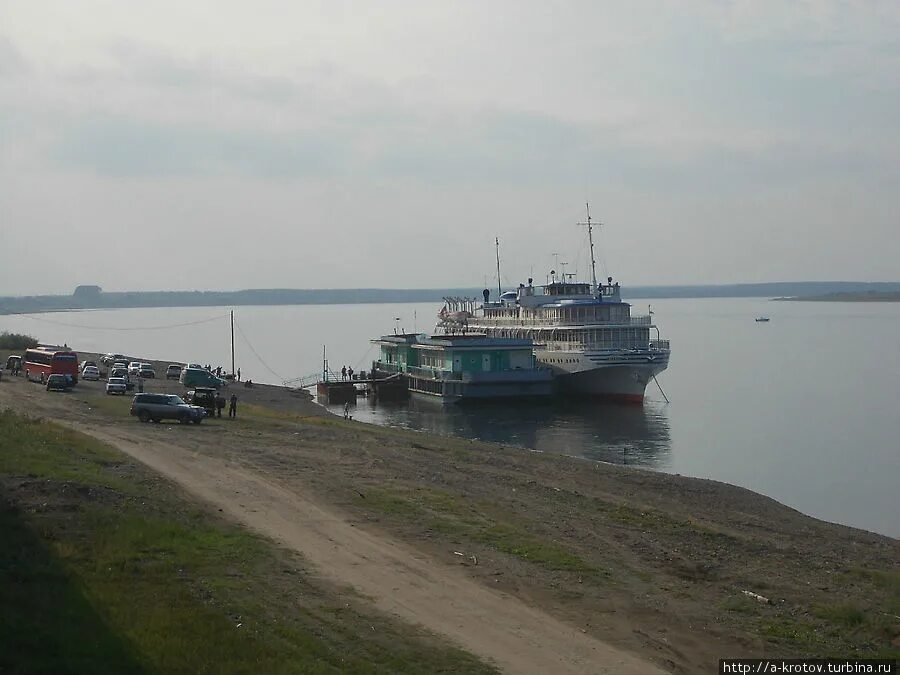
point(16, 341)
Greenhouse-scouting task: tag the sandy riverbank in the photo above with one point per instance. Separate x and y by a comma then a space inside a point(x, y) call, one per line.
point(649, 565)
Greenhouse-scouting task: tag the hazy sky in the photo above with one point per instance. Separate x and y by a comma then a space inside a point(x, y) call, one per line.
point(197, 145)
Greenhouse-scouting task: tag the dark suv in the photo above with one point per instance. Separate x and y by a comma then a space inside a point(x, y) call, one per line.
point(158, 407)
point(205, 397)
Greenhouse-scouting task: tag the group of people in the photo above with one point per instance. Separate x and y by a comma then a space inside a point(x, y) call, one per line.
point(232, 405)
point(220, 371)
point(346, 373)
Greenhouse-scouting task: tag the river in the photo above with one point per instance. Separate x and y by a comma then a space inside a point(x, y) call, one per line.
point(804, 409)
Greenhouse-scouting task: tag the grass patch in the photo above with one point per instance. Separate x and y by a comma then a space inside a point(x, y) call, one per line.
point(794, 633)
point(515, 541)
point(105, 568)
point(259, 417)
point(740, 604)
point(884, 580)
point(844, 614)
point(252, 410)
point(476, 521)
point(35, 448)
point(840, 630)
point(117, 405)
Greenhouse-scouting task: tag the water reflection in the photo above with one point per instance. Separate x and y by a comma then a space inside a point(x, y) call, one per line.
point(628, 434)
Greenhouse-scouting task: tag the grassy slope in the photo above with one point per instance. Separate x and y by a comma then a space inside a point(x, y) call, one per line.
point(857, 615)
point(106, 568)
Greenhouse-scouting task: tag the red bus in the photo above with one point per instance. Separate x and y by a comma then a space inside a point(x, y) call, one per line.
point(43, 361)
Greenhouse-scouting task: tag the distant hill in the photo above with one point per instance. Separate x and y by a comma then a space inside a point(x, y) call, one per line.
point(776, 289)
point(868, 296)
point(92, 297)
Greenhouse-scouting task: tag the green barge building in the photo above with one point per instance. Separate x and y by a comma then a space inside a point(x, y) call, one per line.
point(454, 368)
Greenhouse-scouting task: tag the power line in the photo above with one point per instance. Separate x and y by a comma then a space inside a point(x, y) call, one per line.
point(255, 353)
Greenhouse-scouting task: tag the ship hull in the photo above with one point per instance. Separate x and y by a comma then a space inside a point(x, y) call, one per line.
point(477, 386)
point(580, 374)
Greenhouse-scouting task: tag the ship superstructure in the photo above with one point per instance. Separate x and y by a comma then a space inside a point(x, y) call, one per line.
point(584, 332)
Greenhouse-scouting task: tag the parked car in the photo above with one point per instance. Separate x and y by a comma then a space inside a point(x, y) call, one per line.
point(146, 371)
point(110, 359)
point(158, 407)
point(14, 362)
point(90, 373)
point(85, 364)
point(205, 397)
point(134, 367)
point(173, 372)
point(58, 382)
point(116, 385)
point(194, 377)
point(123, 373)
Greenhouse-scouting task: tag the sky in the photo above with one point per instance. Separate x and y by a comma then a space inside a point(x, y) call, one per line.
point(229, 145)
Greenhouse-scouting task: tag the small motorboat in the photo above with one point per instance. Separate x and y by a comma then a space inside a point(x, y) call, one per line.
point(762, 319)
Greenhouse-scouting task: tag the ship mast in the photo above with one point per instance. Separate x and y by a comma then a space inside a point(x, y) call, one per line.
point(590, 228)
point(499, 289)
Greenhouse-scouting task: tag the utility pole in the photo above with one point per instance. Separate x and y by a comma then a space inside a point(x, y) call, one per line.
point(233, 371)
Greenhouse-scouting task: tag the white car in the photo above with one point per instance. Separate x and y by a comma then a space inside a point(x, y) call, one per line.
point(134, 367)
point(90, 373)
point(116, 385)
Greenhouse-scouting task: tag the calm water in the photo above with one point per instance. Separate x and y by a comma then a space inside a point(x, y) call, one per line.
point(805, 409)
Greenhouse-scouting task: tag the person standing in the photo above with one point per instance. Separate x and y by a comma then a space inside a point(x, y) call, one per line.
point(232, 406)
point(239, 374)
point(220, 403)
point(350, 373)
point(140, 384)
point(343, 372)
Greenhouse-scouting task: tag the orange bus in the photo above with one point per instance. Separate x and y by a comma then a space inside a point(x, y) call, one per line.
point(43, 361)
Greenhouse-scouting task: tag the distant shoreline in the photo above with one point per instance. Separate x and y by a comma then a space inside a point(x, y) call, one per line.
point(92, 297)
point(871, 296)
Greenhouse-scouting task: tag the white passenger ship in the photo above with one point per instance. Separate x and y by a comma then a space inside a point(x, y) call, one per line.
point(584, 332)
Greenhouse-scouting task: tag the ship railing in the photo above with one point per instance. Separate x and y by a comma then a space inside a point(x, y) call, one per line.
point(655, 345)
point(646, 320)
point(389, 367)
point(433, 373)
